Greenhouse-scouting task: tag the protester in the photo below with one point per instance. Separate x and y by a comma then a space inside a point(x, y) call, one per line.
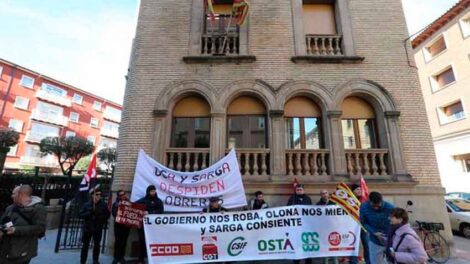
point(258, 202)
point(121, 232)
point(214, 206)
point(299, 197)
point(95, 214)
point(153, 205)
point(374, 217)
point(19, 243)
point(325, 198)
point(356, 189)
point(403, 244)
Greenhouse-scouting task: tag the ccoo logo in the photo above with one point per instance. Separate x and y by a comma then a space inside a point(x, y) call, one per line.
point(236, 246)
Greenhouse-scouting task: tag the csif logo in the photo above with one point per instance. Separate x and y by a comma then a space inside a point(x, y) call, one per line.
point(310, 241)
point(236, 246)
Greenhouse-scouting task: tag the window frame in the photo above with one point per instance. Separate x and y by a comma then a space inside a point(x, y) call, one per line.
point(16, 105)
point(95, 103)
point(434, 82)
point(75, 96)
point(96, 121)
point(465, 29)
point(246, 133)
point(91, 141)
point(191, 136)
point(1, 72)
point(13, 151)
point(72, 120)
point(303, 139)
point(70, 133)
point(443, 118)
point(12, 120)
point(427, 55)
point(357, 133)
point(52, 89)
point(24, 76)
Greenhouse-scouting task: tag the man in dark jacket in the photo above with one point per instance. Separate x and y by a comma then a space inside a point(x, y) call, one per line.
point(214, 206)
point(374, 217)
point(299, 197)
point(258, 202)
point(153, 205)
point(121, 232)
point(19, 243)
point(96, 214)
point(325, 198)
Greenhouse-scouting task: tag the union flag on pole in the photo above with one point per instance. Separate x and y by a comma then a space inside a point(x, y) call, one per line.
point(240, 11)
point(365, 190)
point(344, 198)
point(89, 176)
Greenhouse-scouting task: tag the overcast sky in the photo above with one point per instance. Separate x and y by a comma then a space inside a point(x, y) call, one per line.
point(86, 43)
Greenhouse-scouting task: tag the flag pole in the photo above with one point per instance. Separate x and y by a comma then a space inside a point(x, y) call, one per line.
point(226, 32)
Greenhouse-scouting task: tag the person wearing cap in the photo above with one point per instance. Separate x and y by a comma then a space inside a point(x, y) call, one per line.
point(153, 205)
point(258, 202)
point(95, 214)
point(214, 206)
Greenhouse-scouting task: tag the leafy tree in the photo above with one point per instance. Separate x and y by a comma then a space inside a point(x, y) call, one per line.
point(68, 150)
point(108, 157)
point(8, 138)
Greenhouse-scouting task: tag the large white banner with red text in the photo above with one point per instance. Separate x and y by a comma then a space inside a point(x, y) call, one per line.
point(190, 191)
point(293, 232)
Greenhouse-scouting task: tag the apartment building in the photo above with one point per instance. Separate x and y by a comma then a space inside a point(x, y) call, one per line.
point(38, 106)
point(318, 91)
point(442, 55)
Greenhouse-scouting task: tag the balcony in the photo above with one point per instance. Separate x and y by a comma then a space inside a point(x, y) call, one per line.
point(49, 97)
point(49, 118)
point(110, 134)
point(186, 159)
point(112, 116)
point(47, 161)
point(371, 163)
point(220, 44)
point(35, 137)
point(253, 162)
point(304, 162)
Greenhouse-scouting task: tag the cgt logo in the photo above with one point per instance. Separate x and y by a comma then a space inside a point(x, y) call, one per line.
point(158, 250)
point(236, 246)
point(209, 248)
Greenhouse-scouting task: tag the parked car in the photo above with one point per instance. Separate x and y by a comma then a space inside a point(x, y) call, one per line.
point(461, 195)
point(459, 215)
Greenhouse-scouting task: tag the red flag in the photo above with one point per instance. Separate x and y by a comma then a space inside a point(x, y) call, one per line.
point(365, 190)
point(240, 11)
point(89, 175)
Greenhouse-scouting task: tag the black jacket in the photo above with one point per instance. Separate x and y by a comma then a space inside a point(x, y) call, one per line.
point(321, 202)
point(95, 218)
point(299, 199)
point(153, 205)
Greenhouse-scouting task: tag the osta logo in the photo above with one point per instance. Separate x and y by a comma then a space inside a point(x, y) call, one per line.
point(236, 246)
point(310, 241)
point(158, 250)
point(274, 246)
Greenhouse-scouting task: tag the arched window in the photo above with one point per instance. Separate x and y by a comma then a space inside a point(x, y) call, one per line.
point(303, 124)
point(246, 123)
point(359, 126)
point(191, 123)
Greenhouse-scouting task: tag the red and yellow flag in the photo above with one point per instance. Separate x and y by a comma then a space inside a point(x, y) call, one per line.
point(240, 11)
point(344, 198)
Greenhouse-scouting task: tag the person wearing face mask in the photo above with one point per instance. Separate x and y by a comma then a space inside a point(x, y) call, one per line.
point(403, 244)
point(121, 232)
point(95, 214)
point(19, 242)
point(153, 205)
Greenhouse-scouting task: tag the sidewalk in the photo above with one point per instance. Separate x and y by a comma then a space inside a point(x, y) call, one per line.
point(46, 255)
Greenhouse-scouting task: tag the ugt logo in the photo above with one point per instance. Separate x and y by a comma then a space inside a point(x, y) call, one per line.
point(236, 246)
point(310, 241)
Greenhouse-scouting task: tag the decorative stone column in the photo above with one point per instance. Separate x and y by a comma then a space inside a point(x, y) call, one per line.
point(298, 23)
point(218, 137)
point(338, 165)
point(397, 161)
point(278, 157)
point(160, 135)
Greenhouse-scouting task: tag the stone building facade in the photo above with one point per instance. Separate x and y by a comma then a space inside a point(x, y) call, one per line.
point(298, 97)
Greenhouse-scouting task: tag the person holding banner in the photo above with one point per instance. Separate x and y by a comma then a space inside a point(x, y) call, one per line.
point(258, 202)
point(214, 206)
point(121, 232)
point(153, 205)
point(96, 214)
point(374, 217)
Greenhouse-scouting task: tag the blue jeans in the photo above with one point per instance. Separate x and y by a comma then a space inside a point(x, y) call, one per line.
point(365, 248)
point(376, 253)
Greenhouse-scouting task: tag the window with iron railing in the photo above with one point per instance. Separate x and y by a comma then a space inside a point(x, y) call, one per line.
point(221, 34)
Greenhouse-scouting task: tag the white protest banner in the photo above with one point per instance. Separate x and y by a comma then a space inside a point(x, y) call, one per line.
point(293, 232)
point(190, 191)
